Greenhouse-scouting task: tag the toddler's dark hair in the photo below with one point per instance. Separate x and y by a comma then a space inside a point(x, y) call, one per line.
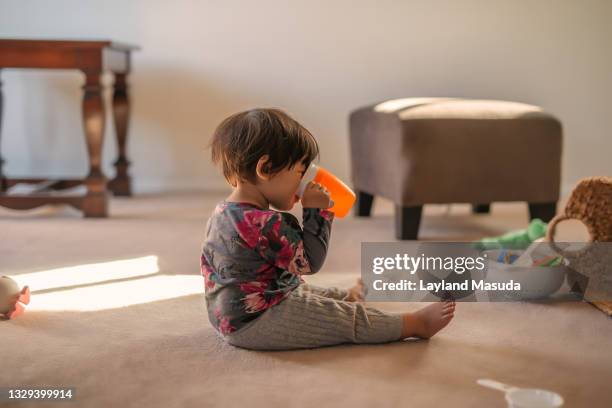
point(243, 138)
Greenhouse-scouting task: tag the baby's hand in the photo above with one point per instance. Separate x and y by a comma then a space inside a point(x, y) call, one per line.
point(316, 196)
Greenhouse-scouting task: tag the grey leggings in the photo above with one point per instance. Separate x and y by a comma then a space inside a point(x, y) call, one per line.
point(312, 316)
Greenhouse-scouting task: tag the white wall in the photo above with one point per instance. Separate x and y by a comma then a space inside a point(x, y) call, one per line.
point(203, 60)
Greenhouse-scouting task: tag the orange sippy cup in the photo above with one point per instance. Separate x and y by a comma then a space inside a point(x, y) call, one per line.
point(342, 196)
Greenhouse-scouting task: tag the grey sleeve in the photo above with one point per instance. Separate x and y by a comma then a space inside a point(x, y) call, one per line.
point(317, 232)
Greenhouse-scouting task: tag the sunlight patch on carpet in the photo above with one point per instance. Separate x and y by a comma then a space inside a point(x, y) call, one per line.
point(88, 273)
point(119, 294)
point(106, 285)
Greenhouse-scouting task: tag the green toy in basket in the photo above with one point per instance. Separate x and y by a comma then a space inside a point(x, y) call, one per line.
point(12, 299)
point(519, 239)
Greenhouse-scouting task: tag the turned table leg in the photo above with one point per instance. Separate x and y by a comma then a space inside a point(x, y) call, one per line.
point(121, 184)
point(95, 203)
point(3, 184)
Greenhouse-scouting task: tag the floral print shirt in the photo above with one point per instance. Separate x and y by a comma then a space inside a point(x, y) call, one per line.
point(253, 258)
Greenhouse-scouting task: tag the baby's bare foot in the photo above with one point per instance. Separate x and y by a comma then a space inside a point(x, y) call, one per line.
point(356, 293)
point(429, 320)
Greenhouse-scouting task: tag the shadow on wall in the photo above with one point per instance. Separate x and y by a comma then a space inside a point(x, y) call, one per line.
point(175, 111)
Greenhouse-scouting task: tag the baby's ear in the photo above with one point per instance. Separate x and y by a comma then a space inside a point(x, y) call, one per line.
point(264, 167)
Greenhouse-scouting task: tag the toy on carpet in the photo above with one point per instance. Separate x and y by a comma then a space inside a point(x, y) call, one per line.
point(12, 299)
point(519, 239)
point(537, 254)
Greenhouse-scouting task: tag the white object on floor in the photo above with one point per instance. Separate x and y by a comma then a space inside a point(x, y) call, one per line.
point(526, 259)
point(538, 249)
point(524, 397)
point(536, 281)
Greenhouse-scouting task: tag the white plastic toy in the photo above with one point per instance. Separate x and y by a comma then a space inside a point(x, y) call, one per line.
point(12, 299)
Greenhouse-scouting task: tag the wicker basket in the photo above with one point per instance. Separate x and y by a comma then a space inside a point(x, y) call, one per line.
point(591, 203)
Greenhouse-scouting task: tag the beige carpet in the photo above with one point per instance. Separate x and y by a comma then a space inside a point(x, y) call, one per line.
point(138, 341)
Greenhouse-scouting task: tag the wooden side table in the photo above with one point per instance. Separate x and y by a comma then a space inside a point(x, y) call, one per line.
point(92, 58)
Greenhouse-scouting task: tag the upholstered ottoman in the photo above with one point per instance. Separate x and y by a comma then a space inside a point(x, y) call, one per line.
point(417, 151)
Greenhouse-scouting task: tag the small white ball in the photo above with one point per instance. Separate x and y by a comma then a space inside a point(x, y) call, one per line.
point(9, 293)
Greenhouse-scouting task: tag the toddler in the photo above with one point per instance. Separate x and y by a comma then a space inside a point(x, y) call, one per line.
point(253, 257)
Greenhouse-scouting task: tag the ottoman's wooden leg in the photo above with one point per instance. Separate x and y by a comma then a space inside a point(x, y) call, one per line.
point(481, 208)
point(543, 211)
point(407, 222)
point(363, 206)
point(94, 204)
